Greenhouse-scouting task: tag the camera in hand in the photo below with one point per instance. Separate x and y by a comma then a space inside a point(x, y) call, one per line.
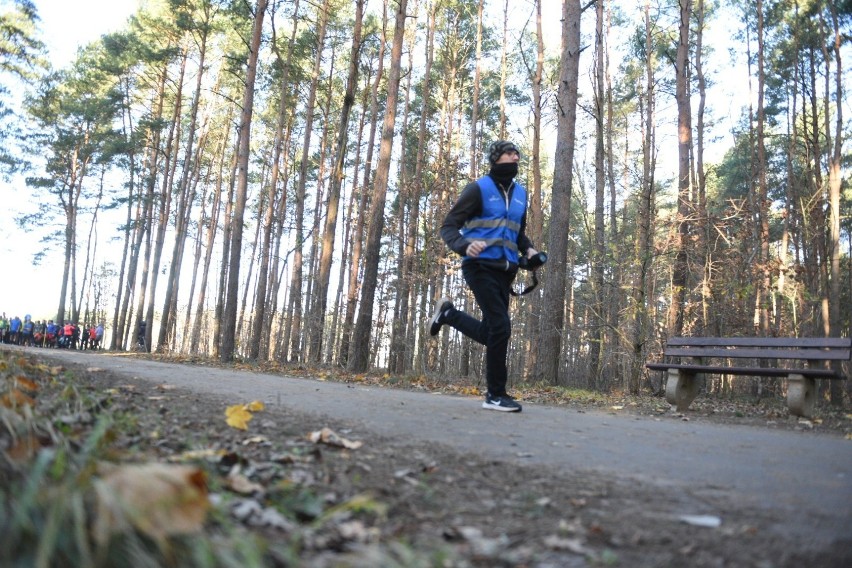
point(533, 262)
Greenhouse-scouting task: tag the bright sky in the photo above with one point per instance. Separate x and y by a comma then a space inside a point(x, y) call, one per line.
point(69, 24)
point(24, 288)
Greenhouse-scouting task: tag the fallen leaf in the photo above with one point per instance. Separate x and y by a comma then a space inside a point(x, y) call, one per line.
point(15, 398)
point(237, 416)
point(24, 448)
point(159, 500)
point(239, 483)
point(26, 384)
point(331, 438)
point(209, 454)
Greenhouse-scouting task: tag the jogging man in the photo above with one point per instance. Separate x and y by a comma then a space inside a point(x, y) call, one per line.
point(486, 226)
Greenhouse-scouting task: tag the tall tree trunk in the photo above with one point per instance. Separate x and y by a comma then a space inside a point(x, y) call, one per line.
point(320, 212)
point(299, 220)
point(474, 103)
point(227, 229)
point(418, 188)
point(185, 199)
point(503, 70)
point(363, 325)
point(835, 180)
point(215, 208)
point(535, 215)
point(196, 260)
point(125, 287)
point(142, 225)
point(643, 251)
point(262, 315)
point(165, 207)
point(229, 316)
point(330, 226)
point(398, 355)
point(553, 320)
point(680, 275)
point(469, 347)
point(357, 238)
point(598, 319)
point(762, 190)
point(703, 223)
point(615, 299)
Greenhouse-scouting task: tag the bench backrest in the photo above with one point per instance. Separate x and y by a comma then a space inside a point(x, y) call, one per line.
point(809, 348)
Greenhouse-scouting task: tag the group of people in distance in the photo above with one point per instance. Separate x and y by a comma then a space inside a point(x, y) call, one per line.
point(64, 335)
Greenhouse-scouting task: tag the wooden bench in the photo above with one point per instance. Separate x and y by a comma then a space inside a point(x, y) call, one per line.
point(682, 384)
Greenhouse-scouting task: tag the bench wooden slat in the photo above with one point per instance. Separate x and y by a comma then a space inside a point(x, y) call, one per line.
point(816, 342)
point(755, 353)
point(752, 371)
point(682, 385)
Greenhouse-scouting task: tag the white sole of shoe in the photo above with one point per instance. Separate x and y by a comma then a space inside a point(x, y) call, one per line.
point(487, 406)
point(436, 314)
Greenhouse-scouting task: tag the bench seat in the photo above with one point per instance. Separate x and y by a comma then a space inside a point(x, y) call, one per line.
point(748, 371)
point(682, 385)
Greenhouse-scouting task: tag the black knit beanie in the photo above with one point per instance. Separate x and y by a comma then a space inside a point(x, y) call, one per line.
point(498, 148)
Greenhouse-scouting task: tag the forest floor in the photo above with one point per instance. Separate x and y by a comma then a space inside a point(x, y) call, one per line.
point(302, 494)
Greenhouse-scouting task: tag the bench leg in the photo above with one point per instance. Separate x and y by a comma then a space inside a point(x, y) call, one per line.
point(681, 388)
point(801, 395)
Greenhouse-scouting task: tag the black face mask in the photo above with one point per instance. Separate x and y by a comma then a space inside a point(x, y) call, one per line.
point(506, 170)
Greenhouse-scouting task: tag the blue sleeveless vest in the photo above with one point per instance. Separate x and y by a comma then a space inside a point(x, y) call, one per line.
point(500, 222)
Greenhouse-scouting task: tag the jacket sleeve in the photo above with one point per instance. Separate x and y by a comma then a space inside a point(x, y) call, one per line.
point(524, 242)
point(469, 204)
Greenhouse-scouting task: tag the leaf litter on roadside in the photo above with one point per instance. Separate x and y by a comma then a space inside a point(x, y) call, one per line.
point(101, 502)
point(311, 496)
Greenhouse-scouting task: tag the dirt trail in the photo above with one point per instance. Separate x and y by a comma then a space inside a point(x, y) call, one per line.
point(802, 481)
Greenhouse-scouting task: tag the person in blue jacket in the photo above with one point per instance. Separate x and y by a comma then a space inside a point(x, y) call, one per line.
point(486, 226)
point(15, 330)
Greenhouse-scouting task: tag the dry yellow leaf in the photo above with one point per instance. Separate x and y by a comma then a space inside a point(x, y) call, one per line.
point(159, 500)
point(237, 416)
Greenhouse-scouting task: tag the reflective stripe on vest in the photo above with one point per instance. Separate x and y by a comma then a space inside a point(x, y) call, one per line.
point(500, 222)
